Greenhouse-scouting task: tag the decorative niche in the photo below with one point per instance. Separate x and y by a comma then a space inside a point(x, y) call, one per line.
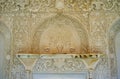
point(60, 45)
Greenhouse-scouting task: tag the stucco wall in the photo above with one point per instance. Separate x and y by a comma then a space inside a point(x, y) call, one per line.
point(118, 53)
point(23, 18)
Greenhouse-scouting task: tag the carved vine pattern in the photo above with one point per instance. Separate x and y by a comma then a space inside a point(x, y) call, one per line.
point(18, 70)
point(48, 66)
point(49, 5)
point(68, 65)
point(33, 6)
point(102, 69)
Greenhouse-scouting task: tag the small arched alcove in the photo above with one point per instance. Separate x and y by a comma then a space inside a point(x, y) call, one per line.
point(4, 48)
point(114, 49)
point(60, 34)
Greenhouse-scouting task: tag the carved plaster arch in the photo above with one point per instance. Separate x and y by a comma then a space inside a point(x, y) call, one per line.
point(112, 33)
point(5, 49)
point(66, 21)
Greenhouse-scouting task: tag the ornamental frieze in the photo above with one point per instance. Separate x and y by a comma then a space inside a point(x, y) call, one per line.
point(54, 5)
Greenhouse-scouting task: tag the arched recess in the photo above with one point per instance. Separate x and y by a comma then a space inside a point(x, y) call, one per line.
point(68, 35)
point(113, 52)
point(117, 47)
point(4, 50)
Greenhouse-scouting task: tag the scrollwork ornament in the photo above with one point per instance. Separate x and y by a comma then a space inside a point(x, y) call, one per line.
point(18, 70)
point(51, 66)
point(102, 69)
point(109, 4)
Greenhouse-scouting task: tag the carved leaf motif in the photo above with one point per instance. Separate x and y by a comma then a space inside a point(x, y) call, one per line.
point(52, 66)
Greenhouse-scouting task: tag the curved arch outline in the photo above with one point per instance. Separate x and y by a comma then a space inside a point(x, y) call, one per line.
point(112, 32)
point(75, 22)
point(5, 31)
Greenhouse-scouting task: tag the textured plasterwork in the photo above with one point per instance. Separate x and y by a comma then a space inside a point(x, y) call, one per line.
point(58, 65)
point(61, 65)
point(50, 5)
point(24, 17)
point(114, 30)
point(67, 35)
point(25, 20)
point(102, 69)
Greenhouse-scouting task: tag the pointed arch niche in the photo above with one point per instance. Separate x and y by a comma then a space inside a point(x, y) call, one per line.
point(114, 49)
point(60, 34)
point(4, 48)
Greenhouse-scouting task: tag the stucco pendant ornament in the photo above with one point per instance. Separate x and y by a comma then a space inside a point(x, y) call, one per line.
point(28, 60)
point(59, 5)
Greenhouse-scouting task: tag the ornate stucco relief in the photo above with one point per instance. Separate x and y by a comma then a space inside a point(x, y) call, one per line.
point(61, 22)
point(50, 5)
point(61, 65)
point(57, 65)
point(84, 9)
point(102, 69)
point(24, 17)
